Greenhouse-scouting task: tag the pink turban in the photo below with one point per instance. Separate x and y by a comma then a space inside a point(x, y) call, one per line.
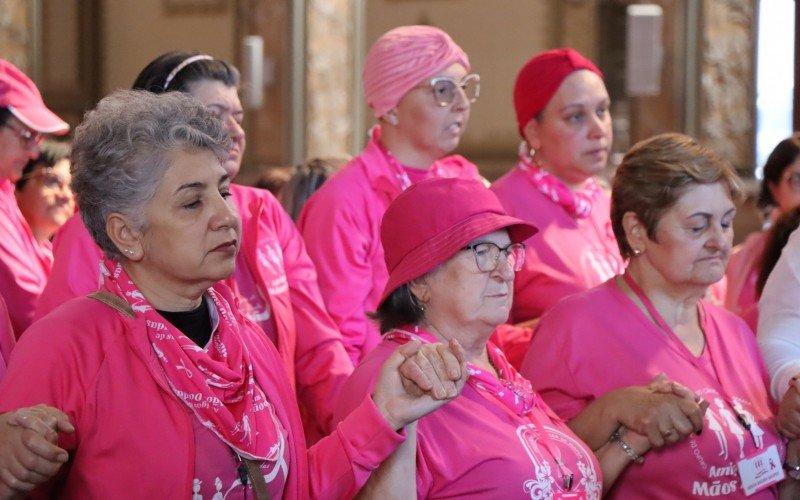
point(540, 78)
point(403, 57)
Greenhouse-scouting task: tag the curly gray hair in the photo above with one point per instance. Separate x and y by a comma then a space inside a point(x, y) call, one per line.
point(122, 149)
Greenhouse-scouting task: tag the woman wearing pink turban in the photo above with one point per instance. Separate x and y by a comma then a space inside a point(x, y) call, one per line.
point(562, 108)
point(418, 85)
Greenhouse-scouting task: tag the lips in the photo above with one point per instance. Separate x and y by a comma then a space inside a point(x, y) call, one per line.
point(225, 247)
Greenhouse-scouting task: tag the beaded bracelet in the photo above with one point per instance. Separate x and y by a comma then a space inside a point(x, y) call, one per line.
point(617, 438)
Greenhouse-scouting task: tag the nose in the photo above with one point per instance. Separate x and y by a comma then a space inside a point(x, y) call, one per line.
point(598, 125)
point(234, 129)
point(225, 214)
point(461, 101)
point(503, 271)
point(32, 150)
point(719, 238)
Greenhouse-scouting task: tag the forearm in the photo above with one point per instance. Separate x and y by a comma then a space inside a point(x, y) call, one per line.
point(595, 424)
point(614, 460)
point(396, 476)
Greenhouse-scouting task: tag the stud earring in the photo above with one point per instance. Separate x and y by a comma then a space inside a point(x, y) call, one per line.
point(392, 119)
point(637, 252)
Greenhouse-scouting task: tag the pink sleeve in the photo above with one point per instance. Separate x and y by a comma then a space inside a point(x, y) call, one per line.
point(337, 237)
point(7, 338)
point(75, 270)
point(341, 463)
point(321, 361)
point(20, 284)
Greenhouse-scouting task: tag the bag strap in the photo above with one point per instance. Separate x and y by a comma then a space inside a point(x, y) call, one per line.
point(256, 478)
point(114, 301)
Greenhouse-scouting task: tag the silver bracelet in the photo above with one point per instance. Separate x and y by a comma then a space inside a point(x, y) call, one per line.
point(792, 470)
point(617, 438)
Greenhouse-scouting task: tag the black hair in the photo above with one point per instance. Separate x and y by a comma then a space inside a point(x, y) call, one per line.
point(784, 154)
point(776, 239)
point(50, 153)
point(5, 114)
point(400, 308)
point(153, 77)
point(305, 181)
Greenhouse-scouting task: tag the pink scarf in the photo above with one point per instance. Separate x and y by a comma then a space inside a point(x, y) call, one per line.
point(511, 389)
point(577, 203)
point(216, 383)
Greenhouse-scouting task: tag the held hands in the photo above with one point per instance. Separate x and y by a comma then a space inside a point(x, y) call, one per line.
point(29, 454)
point(419, 378)
point(789, 410)
point(665, 412)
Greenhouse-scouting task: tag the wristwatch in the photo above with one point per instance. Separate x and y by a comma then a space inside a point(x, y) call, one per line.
point(792, 470)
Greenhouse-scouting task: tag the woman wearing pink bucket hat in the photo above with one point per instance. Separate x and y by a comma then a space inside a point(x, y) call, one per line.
point(418, 85)
point(451, 252)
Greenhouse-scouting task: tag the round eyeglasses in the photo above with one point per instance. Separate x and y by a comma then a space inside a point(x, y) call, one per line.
point(487, 255)
point(444, 88)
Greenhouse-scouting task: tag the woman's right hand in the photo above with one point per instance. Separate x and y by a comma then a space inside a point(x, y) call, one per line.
point(665, 412)
point(29, 455)
point(789, 410)
point(419, 378)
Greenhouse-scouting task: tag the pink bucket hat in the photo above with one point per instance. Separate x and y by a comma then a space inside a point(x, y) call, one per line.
point(540, 78)
point(403, 57)
point(20, 95)
point(433, 219)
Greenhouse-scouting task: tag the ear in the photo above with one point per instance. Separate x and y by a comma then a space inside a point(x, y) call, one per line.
point(391, 117)
point(531, 132)
point(773, 186)
point(635, 231)
point(125, 236)
point(419, 288)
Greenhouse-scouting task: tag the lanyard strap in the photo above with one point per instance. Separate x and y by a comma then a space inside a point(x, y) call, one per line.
point(678, 346)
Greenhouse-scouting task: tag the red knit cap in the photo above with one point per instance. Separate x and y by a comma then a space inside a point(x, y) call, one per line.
point(540, 79)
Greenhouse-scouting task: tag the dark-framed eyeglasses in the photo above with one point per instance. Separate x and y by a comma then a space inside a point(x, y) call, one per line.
point(444, 88)
point(49, 178)
point(28, 137)
point(487, 255)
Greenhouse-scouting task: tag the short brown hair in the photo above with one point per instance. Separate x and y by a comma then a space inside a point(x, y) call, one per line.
point(655, 173)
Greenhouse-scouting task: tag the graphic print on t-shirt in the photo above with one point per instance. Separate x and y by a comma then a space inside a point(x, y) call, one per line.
point(270, 256)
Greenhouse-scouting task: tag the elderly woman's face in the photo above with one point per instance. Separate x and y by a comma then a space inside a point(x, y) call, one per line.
point(693, 238)
point(46, 200)
point(464, 296)
point(192, 230)
point(573, 136)
point(223, 102)
point(428, 127)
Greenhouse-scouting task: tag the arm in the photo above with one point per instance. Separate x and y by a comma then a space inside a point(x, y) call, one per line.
point(779, 319)
point(614, 460)
point(338, 239)
point(396, 478)
point(321, 361)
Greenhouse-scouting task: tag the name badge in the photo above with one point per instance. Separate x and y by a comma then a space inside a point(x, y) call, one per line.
point(761, 470)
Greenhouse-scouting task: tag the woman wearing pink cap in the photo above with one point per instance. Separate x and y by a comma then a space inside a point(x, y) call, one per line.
point(452, 253)
point(274, 279)
point(418, 85)
point(24, 264)
point(562, 108)
point(672, 211)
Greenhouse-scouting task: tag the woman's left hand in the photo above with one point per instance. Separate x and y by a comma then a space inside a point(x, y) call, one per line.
point(789, 411)
point(419, 378)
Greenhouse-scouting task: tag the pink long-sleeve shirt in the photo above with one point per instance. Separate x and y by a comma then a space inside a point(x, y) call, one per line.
point(24, 263)
point(599, 340)
point(341, 226)
point(134, 437)
point(273, 261)
point(742, 273)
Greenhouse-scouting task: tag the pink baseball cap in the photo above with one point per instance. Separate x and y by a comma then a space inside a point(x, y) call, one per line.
point(20, 95)
point(433, 219)
point(540, 79)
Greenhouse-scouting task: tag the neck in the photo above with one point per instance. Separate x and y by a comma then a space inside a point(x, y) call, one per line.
point(42, 235)
point(473, 342)
point(677, 304)
point(164, 294)
point(575, 184)
point(404, 151)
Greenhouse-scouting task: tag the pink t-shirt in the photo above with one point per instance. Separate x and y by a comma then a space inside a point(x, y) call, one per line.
point(7, 338)
point(24, 263)
point(475, 447)
point(567, 255)
point(742, 273)
point(599, 340)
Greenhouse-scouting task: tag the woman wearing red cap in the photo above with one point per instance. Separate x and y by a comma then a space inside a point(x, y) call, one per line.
point(24, 263)
point(452, 253)
point(418, 85)
point(562, 108)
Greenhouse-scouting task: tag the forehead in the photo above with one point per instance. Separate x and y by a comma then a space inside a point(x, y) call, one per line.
point(189, 166)
point(215, 93)
point(580, 87)
point(455, 71)
point(499, 237)
point(708, 198)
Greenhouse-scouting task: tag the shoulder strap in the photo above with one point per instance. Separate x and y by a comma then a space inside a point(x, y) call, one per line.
point(257, 479)
point(114, 301)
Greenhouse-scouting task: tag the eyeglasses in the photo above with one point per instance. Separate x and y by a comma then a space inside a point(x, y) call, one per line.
point(29, 138)
point(445, 88)
point(487, 255)
point(793, 178)
point(49, 178)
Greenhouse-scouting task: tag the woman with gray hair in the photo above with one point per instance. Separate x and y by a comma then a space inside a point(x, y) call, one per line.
point(159, 368)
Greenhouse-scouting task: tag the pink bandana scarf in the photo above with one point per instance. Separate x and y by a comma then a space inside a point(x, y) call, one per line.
point(578, 204)
point(511, 389)
point(216, 383)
